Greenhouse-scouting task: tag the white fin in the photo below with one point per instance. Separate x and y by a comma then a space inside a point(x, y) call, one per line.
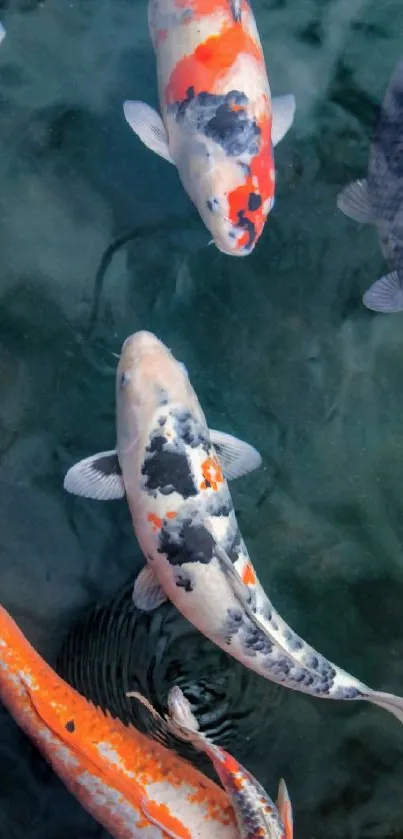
point(241, 591)
point(236, 10)
point(98, 476)
point(149, 127)
point(148, 594)
point(164, 728)
point(180, 710)
point(236, 457)
point(283, 110)
point(284, 808)
point(354, 202)
point(386, 295)
point(387, 701)
point(2, 33)
point(160, 824)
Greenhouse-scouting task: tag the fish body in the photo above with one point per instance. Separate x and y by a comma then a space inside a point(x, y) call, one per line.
point(257, 815)
point(378, 199)
point(173, 475)
point(218, 123)
point(132, 785)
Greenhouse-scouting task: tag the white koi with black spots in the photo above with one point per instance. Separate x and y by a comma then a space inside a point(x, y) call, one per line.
point(258, 817)
point(173, 471)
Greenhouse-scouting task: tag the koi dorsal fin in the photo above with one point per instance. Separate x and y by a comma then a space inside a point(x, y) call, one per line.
point(285, 809)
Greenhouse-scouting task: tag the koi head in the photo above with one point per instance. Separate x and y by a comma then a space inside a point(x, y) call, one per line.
point(225, 161)
point(148, 377)
point(233, 205)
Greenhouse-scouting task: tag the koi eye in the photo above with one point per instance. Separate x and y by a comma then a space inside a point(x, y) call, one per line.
point(124, 380)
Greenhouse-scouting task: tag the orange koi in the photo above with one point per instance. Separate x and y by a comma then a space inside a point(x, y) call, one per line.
point(132, 785)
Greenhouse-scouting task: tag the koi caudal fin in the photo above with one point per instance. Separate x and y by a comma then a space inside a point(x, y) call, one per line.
point(388, 701)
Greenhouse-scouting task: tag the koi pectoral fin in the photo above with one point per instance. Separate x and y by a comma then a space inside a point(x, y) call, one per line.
point(237, 458)
point(160, 816)
point(180, 711)
point(386, 294)
point(355, 203)
point(148, 594)
point(283, 116)
point(166, 730)
point(98, 476)
point(149, 127)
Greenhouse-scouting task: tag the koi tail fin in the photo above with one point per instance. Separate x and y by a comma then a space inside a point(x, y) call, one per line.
point(388, 701)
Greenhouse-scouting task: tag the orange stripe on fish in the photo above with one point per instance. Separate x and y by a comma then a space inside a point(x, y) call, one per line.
point(210, 61)
point(118, 774)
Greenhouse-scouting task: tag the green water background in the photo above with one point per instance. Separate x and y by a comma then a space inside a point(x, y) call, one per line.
point(279, 349)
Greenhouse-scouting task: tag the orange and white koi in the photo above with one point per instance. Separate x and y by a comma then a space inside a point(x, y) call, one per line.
point(219, 123)
point(128, 782)
point(257, 815)
point(173, 471)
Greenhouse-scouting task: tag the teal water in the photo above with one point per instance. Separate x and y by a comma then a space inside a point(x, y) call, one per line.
point(278, 347)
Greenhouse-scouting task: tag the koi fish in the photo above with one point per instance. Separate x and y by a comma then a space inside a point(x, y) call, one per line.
point(173, 471)
point(131, 784)
point(378, 199)
point(219, 123)
point(256, 814)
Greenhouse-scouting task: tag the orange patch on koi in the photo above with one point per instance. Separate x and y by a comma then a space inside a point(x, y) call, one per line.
point(209, 62)
point(212, 474)
point(171, 514)
point(248, 575)
point(260, 168)
point(155, 520)
point(119, 756)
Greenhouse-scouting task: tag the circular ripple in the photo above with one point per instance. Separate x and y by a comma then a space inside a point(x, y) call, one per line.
point(115, 648)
